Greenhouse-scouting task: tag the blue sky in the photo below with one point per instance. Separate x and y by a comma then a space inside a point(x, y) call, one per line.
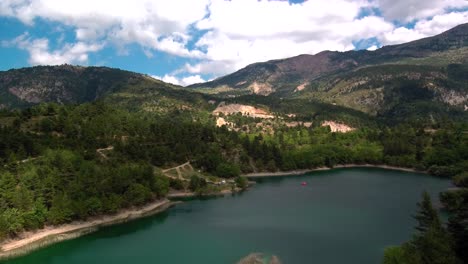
point(187, 41)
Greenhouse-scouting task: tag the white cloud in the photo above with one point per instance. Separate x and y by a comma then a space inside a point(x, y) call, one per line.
point(425, 28)
point(372, 48)
point(155, 24)
point(408, 10)
point(236, 32)
point(401, 35)
point(441, 23)
point(242, 32)
point(192, 79)
point(40, 54)
point(185, 81)
point(210, 67)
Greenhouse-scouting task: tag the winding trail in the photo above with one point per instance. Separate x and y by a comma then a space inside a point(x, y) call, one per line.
point(100, 152)
point(178, 168)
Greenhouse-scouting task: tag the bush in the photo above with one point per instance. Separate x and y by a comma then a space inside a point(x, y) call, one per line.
point(393, 255)
point(461, 180)
point(227, 170)
point(443, 171)
point(137, 194)
point(161, 185)
point(197, 183)
point(242, 182)
point(176, 184)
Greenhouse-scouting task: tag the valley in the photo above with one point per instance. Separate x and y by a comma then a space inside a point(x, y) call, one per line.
point(79, 144)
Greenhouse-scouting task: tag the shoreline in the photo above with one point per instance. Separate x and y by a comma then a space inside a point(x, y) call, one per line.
point(341, 166)
point(34, 240)
point(183, 195)
point(31, 241)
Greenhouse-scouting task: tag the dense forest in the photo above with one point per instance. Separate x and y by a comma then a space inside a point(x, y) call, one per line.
point(52, 173)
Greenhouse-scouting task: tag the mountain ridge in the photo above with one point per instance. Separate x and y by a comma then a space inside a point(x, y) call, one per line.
point(70, 84)
point(456, 37)
point(361, 79)
point(426, 77)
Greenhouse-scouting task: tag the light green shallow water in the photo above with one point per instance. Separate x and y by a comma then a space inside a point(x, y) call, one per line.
point(341, 216)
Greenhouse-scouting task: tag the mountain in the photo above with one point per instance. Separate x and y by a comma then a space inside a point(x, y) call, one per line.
point(421, 80)
point(432, 70)
point(67, 84)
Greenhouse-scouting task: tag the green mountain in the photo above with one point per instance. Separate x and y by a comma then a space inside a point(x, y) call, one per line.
point(424, 80)
point(67, 84)
point(424, 74)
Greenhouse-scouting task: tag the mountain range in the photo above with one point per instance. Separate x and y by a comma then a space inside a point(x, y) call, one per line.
point(434, 68)
point(427, 76)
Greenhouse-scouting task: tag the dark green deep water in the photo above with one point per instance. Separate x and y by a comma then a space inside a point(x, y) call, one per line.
point(345, 216)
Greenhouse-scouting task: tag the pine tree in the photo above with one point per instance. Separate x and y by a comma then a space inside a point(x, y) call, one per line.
point(458, 228)
point(427, 215)
point(432, 244)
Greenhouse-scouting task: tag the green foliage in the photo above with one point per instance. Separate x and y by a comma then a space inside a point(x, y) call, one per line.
point(227, 170)
point(242, 182)
point(176, 184)
point(427, 216)
point(137, 194)
point(432, 247)
point(393, 255)
point(432, 243)
point(456, 203)
point(197, 183)
point(61, 210)
point(161, 185)
point(461, 179)
point(52, 173)
point(11, 222)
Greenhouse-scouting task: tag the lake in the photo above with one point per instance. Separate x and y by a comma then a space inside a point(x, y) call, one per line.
point(340, 216)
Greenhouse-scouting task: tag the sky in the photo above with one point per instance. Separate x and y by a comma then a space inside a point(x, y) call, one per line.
point(190, 41)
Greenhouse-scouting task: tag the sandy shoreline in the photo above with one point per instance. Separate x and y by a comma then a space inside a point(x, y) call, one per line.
point(301, 172)
point(182, 195)
point(30, 241)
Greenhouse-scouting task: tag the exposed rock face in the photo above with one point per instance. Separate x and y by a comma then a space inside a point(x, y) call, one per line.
point(454, 97)
point(63, 84)
point(301, 87)
point(40, 93)
point(222, 122)
point(368, 81)
point(259, 258)
point(261, 88)
point(296, 124)
point(267, 77)
point(337, 127)
point(245, 110)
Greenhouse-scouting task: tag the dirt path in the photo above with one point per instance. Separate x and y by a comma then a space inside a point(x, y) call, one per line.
point(100, 151)
point(178, 168)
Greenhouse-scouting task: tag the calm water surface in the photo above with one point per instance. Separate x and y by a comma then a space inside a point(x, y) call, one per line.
point(341, 216)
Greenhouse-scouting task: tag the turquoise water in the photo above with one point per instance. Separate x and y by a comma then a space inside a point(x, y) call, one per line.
point(341, 216)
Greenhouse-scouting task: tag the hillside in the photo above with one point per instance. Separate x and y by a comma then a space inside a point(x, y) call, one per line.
point(427, 71)
point(67, 84)
point(423, 81)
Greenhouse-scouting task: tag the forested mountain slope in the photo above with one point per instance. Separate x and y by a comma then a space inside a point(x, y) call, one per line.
point(426, 73)
point(67, 84)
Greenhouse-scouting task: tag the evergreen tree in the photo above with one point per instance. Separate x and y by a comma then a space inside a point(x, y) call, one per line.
point(458, 228)
point(432, 244)
point(427, 215)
